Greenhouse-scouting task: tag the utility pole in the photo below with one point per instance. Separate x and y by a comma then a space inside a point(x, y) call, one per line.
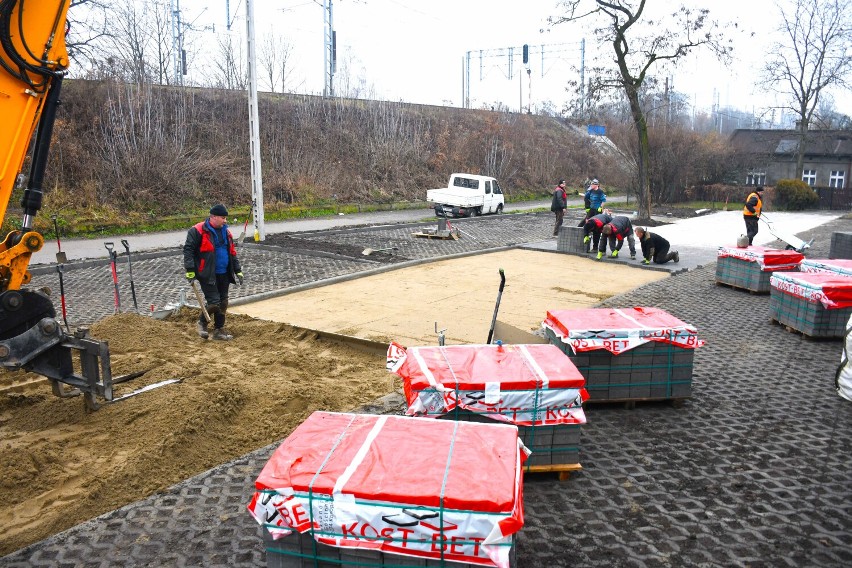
point(583, 77)
point(177, 44)
point(329, 48)
point(254, 141)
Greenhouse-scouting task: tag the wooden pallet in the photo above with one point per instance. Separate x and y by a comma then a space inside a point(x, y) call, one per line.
point(791, 329)
point(630, 403)
point(564, 470)
point(437, 235)
point(735, 287)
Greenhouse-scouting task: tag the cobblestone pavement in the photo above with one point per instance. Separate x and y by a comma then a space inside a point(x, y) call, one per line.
point(754, 470)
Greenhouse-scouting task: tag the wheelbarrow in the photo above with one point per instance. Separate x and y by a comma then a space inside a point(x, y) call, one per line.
point(793, 242)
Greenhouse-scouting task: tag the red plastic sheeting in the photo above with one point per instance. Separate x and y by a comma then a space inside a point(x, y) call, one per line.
point(833, 291)
point(768, 259)
point(619, 330)
point(522, 384)
point(397, 484)
point(840, 266)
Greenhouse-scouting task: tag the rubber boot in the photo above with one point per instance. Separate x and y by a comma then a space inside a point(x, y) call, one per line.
point(220, 334)
point(202, 330)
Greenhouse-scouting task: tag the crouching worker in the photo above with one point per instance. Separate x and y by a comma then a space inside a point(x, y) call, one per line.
point(616, 231)
point(655, 247)
point(210, 256)
point(592, 230)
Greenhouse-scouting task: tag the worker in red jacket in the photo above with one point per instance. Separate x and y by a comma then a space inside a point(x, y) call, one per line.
point(615, 232)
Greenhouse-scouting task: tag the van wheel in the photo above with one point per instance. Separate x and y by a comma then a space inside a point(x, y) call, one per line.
point(499, 209)
point(474, 211)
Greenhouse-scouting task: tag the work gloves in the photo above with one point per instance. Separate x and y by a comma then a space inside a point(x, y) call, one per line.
point(646, 261)
point(586, 239)
point(240, 277)
point(190, 276)
point(600, 255)
point(614, 254)
point(587, 212)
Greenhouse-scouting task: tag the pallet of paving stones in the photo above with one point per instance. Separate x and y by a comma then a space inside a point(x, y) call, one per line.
point(319, 503)
point(815, 304)
point(627, 355)
point(841, 245)
point(534, 387)
point(750, 268)
point(841, 266)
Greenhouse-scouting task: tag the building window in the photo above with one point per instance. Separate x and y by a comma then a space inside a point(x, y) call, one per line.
point(756, 178)
point(809, 177)
point(837, 178)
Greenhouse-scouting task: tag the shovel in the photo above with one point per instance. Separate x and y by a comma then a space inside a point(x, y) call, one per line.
point(369, 251)
point(200, 297)
point(496, 307)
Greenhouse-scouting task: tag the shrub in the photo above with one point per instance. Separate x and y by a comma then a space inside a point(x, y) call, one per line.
point(795, 195)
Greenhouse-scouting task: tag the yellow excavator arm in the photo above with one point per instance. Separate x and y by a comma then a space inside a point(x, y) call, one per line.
point(33, 60)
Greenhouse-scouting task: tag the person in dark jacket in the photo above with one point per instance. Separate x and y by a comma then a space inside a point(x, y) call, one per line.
point(592, 230)
point(615, 232)
point(558, 205)
point(209, 256)
point(751, 212)
point(655, 247)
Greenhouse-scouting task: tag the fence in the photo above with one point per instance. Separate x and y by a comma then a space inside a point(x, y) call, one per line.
point(834, 197)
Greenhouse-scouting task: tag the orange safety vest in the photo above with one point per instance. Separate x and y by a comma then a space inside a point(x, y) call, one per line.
point(757, 207)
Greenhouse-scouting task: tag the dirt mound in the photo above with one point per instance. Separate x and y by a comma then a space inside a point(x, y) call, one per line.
point(61, 465)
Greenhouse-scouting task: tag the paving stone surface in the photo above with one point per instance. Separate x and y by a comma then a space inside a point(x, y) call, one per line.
point(755, 470)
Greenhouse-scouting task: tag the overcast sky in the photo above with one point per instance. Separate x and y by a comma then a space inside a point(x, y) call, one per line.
point(414, 50)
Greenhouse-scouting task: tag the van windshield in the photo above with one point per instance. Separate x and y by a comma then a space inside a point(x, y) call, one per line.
point(497, 189)
point(466, 182)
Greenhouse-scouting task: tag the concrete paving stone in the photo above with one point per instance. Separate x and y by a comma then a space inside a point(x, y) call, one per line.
point(752, 470)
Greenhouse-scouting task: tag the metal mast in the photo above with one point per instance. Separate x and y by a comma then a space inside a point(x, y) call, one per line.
point(256, 171)
point(329, 49)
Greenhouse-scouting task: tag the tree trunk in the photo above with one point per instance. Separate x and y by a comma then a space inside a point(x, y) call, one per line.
point(800, 148)
point(644, 190)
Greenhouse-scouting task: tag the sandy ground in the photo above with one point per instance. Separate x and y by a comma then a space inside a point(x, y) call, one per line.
point(458, 295)
point(60, 465)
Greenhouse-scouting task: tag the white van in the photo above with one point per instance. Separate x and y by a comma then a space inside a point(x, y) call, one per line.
point(467, 195)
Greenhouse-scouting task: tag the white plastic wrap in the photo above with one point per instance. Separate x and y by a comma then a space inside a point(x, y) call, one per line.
point(844, 373)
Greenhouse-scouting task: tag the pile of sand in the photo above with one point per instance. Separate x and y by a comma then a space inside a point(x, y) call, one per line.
point(61, 465)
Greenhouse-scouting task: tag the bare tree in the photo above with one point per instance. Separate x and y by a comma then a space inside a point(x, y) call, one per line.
point(639, 44)
point(815, 54)
point(228, 70)
point(275, 59)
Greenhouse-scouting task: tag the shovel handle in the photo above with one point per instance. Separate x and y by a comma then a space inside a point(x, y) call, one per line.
point(126, 245)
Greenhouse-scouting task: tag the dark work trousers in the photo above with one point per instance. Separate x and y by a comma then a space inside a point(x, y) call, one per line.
point(560, 215)
point(751, 227)
point(661, 255)
point(217, 300)
point(615, 244)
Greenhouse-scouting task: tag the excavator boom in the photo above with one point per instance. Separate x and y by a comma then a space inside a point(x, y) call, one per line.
point(33, 61)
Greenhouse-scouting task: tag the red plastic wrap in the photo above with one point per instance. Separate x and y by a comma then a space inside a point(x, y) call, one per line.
point(619, 330)
point(833, 291)
point(522, 384)
point(768, 259)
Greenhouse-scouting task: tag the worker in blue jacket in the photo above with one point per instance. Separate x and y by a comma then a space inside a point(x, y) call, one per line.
point(593, 201)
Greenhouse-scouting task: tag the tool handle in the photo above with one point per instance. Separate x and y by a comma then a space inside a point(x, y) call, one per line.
point(109, 247)
point(56, 230)
point(126, 245)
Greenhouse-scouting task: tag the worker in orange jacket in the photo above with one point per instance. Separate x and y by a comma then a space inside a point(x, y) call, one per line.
point(751, 212)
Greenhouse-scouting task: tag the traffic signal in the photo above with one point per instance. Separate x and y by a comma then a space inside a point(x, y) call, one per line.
point(526, 54)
